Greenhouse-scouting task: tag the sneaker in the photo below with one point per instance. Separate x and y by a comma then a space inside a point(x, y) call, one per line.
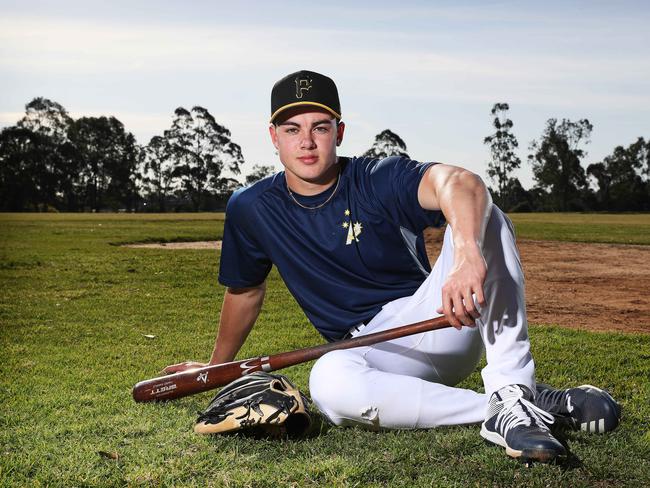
point(514, 422)
point(583, 408)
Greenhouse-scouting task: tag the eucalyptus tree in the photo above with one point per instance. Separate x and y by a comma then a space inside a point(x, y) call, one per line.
point(623, 178)
point(107, 157)
point(258, 172)
point(157, 179)
point(36, 158)
point(387, 143)
point(556, 159)
point(203, 152)
point(504, 159)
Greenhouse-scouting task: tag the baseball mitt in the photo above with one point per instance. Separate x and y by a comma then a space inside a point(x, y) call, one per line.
point(258, 404)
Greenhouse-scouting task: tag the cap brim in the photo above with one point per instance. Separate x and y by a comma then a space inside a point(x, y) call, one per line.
point(297, 104)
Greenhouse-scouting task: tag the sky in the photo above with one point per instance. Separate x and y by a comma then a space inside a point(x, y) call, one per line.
point(428, 70)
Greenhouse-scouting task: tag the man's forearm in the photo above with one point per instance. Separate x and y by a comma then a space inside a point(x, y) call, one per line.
point(464, 200)
point(240, 310)
point(466, 204)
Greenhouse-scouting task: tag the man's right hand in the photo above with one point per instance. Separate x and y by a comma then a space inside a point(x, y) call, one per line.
point(184, 366)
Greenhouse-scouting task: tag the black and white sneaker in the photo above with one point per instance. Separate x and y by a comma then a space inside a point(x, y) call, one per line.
point(514, 422)
point(584, 408)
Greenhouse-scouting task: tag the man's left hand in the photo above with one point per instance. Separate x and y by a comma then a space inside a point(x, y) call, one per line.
point(463, 284)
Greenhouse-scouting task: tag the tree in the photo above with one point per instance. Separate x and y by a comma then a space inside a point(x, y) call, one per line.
point(35, 155)
point(258, 172)
point(622, 178)
point(604, 180)
point(642, 149)
point(107, 157)
point(157, 171)
point(202, 150)
point(46, 117)
point(503, 158)
point(556, 163)
point(386, 144)
point(55, 169)
point(20, 153)
point(58, 169)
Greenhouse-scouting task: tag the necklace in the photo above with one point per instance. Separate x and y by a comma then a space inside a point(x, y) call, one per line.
point(338, 180)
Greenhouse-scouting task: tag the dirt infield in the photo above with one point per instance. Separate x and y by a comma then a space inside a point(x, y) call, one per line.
point(178, 245)
point(583, 286)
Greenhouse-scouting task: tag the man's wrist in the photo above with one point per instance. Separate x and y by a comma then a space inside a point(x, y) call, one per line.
point(467, 245)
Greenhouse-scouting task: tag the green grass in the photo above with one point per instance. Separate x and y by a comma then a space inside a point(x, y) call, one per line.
point(73, 313)
point(577, 227)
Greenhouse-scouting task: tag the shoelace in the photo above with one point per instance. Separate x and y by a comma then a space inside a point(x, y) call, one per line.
point(512, 414)
point(553, 400)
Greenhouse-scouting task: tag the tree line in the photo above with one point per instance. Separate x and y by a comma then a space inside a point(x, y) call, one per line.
point(50, 161)
point(621, 181)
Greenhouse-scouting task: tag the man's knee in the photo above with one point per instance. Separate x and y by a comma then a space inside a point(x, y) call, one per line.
point(335, 387)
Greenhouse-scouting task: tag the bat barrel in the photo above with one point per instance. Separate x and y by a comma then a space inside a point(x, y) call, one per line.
point(186, 383)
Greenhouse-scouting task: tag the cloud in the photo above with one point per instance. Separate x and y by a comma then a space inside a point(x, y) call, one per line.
point(424, 65)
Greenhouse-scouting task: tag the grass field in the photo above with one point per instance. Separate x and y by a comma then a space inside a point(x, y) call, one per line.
point(578, 227)
point(75, 309)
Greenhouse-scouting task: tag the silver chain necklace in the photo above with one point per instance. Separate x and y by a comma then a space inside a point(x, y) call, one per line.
point(338, 180)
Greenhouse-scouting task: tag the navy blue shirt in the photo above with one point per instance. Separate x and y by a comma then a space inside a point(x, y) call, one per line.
point(343, 261)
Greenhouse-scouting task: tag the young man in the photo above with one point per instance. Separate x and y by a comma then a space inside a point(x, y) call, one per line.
point(346, 237)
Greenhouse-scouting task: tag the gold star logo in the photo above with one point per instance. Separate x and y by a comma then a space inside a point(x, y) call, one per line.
point(354, 229)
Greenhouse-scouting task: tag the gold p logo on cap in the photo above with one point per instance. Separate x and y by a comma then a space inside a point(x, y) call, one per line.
point(302, 85)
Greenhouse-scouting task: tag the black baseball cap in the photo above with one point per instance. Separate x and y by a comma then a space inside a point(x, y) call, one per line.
point(305, 88)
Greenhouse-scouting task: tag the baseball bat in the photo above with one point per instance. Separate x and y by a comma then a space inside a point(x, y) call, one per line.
point(197, 380)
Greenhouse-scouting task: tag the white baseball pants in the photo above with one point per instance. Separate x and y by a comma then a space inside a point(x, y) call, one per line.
point(409, 382)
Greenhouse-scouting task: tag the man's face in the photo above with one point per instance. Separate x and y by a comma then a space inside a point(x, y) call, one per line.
point(306, 140)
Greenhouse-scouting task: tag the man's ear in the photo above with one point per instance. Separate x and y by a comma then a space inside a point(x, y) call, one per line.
point(274, 135)
point(340, 129)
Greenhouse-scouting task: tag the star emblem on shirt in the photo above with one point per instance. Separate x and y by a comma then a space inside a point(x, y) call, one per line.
point(354, 229)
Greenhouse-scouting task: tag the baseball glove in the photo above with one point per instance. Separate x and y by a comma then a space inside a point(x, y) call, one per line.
point(258, 404)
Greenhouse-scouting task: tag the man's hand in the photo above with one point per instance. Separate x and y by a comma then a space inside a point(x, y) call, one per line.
point(184, 366)
point(464, 282)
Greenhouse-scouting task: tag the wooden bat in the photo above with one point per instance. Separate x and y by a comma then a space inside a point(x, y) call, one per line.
point(193, 381)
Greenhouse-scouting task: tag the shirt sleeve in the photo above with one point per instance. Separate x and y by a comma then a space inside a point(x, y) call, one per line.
point(243, 261)
point(392, 184)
